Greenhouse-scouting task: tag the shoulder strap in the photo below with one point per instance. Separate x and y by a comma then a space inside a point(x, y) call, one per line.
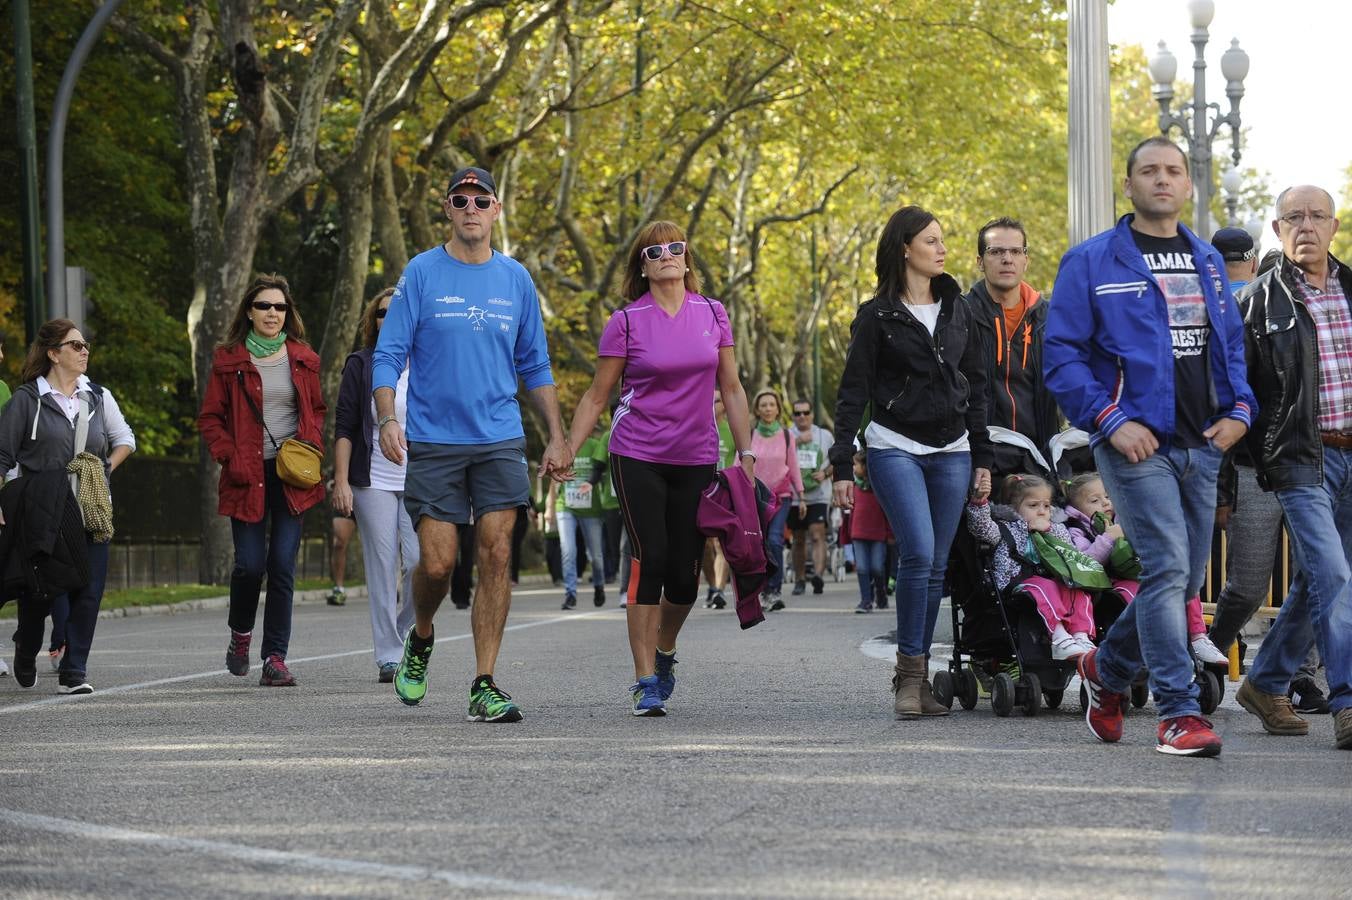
point(82, 426)
point(253, 406)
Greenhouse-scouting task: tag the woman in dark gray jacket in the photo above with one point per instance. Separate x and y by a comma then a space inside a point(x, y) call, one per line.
point(367, 483)
point(39, 429)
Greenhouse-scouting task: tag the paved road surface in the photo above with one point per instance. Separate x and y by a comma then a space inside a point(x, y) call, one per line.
point(778, 773)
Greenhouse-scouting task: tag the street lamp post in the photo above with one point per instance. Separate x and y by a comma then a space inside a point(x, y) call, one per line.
point(1231, 181)
point(1196, 130)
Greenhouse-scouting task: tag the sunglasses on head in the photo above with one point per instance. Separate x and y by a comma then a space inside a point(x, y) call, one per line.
point(77, 346)
point(380, 313)
point(264, 306)
point(461, 201)
point(655, 251)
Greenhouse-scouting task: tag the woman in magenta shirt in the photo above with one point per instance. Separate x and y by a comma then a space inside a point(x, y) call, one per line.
point(667, 348)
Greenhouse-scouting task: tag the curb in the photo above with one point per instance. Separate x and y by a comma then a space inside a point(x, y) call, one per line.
point(357, 592)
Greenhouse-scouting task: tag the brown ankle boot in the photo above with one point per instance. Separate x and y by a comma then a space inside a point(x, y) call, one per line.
point(929, 706)
point(907, 682)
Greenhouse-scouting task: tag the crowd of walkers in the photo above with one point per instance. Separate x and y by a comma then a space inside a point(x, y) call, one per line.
point(1184, 365)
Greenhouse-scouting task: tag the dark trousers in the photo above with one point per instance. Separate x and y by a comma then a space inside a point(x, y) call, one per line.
point(554, 557)
point(266, 547)
point(60, 614)
point(660, 502)
point(81, 620)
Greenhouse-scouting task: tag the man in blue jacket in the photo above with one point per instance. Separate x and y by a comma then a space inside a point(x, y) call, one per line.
point(1144, 350)
point(466, 321)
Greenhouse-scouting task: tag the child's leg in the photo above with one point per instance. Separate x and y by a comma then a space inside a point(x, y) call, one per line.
point(1196, 624)
point(1051, 601)
point(870, 568)
point(1080, 616)
point(1126, 588)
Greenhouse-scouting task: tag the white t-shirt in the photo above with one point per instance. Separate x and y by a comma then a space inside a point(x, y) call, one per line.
point(385, 475)
point(927, 313)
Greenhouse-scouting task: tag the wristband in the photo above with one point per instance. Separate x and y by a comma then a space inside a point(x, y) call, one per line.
point(743, 454)
point(385, 420)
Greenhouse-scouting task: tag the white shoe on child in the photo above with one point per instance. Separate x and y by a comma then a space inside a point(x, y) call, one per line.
point(1068, 648)
point(1084, 640)
point(1207, 652)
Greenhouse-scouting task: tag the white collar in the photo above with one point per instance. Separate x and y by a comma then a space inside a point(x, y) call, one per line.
point(45, 387)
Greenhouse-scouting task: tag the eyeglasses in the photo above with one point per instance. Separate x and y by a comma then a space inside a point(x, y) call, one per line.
point(1011, 252)
point(264, 306)
point(802, 412)
point(77, 346)
point(461, 201)
point(655, 251)
point(380, 313)
point(1317, 219)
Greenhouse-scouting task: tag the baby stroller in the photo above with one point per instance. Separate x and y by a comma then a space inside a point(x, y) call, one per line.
point(998, 642)
point(1072, 455)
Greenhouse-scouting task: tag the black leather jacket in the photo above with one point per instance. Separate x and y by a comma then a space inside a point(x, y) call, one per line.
point(1283, 357)
point(929, 389)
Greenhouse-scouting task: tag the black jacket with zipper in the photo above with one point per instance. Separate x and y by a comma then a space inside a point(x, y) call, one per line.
point(1282, 352)
point(929, 389)
point(1016, 397)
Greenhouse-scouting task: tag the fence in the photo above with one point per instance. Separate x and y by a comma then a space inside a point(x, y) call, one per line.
point(137, 564)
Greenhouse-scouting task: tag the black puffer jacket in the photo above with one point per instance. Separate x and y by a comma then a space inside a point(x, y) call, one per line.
point(1283, 358)
point(43, 550)
point(929, 389)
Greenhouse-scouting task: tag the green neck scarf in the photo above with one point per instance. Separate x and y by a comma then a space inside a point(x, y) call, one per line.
point(260, 346)
point(767, 429)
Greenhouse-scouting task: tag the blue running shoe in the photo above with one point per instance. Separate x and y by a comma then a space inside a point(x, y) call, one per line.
point(647, 700)
point(662, 671)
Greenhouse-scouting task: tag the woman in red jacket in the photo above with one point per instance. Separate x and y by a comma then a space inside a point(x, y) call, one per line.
point(264, 388)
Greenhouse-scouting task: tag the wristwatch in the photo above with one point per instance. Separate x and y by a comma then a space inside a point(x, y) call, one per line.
point(384, 420)
point(743, 454)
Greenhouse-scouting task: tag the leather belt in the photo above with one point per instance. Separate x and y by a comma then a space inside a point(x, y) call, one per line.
point(1340, 440)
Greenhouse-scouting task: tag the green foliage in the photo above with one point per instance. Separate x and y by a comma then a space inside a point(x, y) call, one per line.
point(1342, 241)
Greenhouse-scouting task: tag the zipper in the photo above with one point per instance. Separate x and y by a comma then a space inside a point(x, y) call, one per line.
point(904, 385)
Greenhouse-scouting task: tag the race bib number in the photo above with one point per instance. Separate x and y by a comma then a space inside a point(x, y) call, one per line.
point(577, 495)
point(807, 458)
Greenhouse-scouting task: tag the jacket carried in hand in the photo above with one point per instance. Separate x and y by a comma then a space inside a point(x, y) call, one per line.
point(43, 548)
point(929, 388)
point(1108, 353)
point(234, 435)
point(1283, 358)
point(737, 512)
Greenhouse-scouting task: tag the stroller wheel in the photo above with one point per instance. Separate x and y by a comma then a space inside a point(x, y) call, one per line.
point(1002, 694)
point(1140, 693)
point(1052, 699)
point(967, 688)
point(1031, 686)
point(943, 688)
point(1084, 699)
point(1210, 696)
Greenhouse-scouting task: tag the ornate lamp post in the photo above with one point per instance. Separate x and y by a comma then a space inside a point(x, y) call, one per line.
point(1199, 133)
point(1231, 181)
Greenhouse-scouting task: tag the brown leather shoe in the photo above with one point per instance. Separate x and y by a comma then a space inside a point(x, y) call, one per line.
point(1342, 728)
point(1275, 711)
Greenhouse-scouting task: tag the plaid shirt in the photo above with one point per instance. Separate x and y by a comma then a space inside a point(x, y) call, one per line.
point(1333, 329)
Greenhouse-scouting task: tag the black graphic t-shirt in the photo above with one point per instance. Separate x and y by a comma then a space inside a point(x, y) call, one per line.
point(1170, 261)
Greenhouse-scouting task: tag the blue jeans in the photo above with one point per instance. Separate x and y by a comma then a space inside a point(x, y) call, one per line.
point(593, 532)
point(1167, 506)
point(774, 539)
point(256, 555)
point(870, 566)
point(1319, 608)
point(923, 497)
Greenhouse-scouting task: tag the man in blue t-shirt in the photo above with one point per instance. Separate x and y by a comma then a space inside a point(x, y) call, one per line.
point(466, 322)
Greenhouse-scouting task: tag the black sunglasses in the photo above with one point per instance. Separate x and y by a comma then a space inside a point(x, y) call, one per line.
point(461, 201)
point(380, 313)
point(802, 412)
point(77, 346)
point(264, 306)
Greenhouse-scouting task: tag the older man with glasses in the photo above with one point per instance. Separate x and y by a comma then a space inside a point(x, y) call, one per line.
point(1298, 342)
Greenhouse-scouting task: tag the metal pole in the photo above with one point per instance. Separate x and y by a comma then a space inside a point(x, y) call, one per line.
point(1200, 140)
point(56, 139)
point(1091, 165)
point(31, 223)
point(816, 333)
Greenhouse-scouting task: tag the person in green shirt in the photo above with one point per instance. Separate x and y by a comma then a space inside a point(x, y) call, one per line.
point(4, 386)
point(579, 509)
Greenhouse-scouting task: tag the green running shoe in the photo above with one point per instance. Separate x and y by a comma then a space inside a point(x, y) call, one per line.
point(488, 703)
point(410, 681)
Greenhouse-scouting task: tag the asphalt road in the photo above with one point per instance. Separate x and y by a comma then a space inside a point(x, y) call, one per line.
point(779, 772)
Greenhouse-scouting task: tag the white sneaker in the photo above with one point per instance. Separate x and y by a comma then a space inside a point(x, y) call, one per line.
point(1086, 643)
point(1068, 648)
point(1207, 652)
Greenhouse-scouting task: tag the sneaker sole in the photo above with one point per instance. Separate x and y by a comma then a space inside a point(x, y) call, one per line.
point(78, 690)
point(408, 701)
point(1270, 729)
point(654, 713)
point(1206, 751)
point(512, 715)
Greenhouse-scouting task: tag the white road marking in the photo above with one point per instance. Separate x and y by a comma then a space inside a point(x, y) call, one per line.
point(257, 855)
point(197, 676)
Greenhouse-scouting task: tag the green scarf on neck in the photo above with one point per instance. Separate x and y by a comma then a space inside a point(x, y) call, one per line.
point(767, 429)
point(260, 346)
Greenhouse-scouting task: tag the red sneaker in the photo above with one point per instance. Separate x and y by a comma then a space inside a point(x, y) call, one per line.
point(1188, 736)
point(276, 674)
point(1104, 714)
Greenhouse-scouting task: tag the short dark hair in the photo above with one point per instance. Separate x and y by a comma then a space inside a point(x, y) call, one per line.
point(1002, 222)
point(899, 231)
point(1158, 140)
point(803, 400)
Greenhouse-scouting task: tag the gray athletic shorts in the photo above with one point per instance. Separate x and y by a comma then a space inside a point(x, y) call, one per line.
point(452, 482)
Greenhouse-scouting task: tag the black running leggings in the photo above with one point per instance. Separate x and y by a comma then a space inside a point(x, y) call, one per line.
point(659, 502)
